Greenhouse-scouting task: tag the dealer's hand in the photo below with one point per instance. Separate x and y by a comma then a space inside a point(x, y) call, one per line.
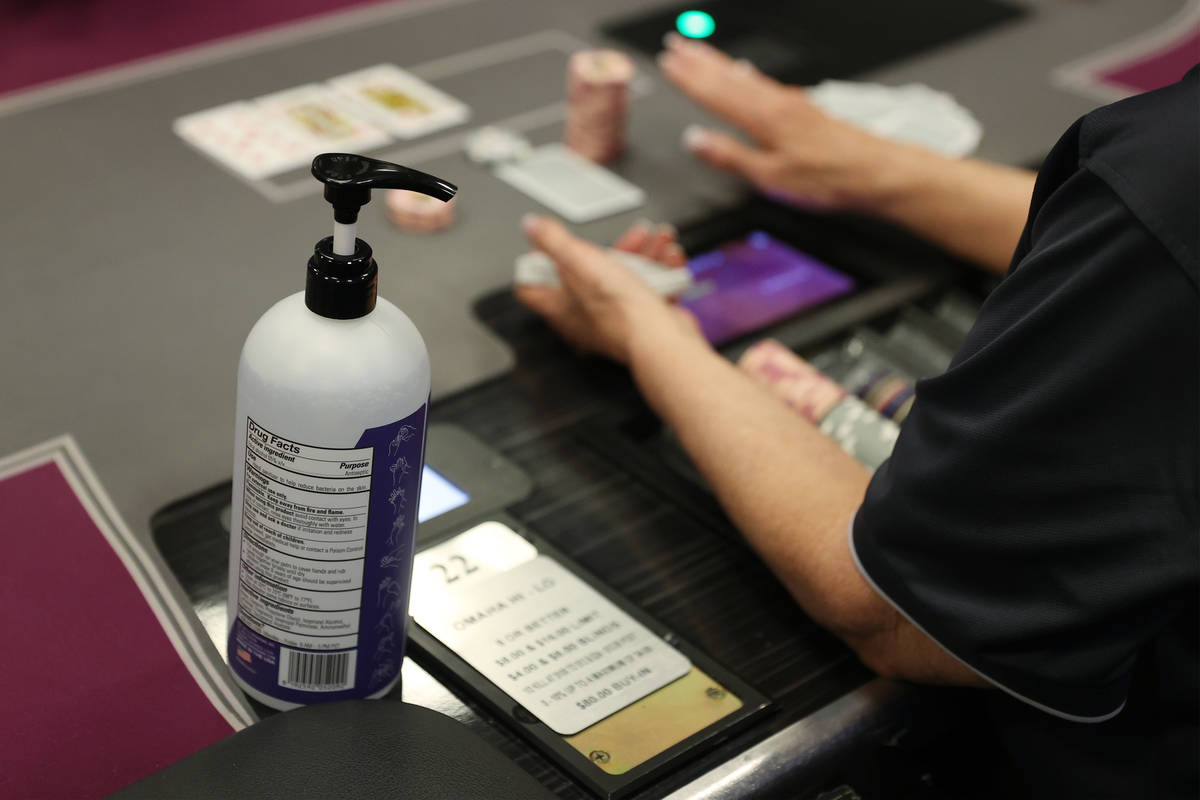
point(602, 307)
point(799, 153)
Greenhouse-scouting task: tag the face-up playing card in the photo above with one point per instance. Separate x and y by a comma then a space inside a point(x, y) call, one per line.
point(320, 119)
point(238, 136)
point(280, 131)
point(400, 102)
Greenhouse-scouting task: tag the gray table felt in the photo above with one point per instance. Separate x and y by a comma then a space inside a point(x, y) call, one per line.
point(133, 267)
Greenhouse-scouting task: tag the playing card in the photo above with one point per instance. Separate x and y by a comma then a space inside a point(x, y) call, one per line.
point(240, 136)
point(278, 132)
point(399, 101)
point(319, 120)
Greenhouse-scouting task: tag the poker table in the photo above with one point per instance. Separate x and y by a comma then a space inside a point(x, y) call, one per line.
point(134, 267)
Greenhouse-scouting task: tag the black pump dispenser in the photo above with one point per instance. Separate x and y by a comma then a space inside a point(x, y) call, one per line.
point(341, 282)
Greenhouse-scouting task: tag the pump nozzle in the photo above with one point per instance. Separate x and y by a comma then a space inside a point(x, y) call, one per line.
point(342, 273)
point(349, 179)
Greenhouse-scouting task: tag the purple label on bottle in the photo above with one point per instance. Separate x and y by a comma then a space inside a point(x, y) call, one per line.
point(326, 562)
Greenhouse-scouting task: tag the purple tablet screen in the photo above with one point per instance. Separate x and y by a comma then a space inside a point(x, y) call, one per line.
point(747, 284)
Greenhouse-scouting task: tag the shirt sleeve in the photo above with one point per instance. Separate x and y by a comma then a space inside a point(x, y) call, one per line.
point(1038, 517)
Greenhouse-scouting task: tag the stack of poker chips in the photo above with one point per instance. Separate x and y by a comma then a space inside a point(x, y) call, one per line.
point(860, 367)
point(598, 103)
point(419, 213)
point(800, 385)
point(889, 392)
point(858, 429)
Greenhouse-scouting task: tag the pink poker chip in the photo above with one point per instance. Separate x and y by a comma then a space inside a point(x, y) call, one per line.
point(414, 211)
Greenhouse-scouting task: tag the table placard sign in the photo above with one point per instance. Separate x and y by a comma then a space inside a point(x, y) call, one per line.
point(554, 644)
point(610, 695)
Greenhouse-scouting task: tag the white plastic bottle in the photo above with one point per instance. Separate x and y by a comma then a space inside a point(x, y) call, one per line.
point(332, 401)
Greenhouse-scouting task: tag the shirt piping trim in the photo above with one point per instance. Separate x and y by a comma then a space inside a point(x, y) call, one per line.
point(1028, 701)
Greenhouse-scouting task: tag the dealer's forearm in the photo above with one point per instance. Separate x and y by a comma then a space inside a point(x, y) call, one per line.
point(789, 489)
point(974, 209)
point(791, 492)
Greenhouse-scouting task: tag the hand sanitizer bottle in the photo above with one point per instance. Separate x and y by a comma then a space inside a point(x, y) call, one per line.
point(332, 400)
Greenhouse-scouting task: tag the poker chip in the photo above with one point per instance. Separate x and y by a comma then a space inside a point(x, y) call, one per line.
point(598, 103)
point(419, 213)
point(491, 145)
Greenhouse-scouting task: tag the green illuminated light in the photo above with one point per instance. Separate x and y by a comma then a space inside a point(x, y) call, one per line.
point(696, 24)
